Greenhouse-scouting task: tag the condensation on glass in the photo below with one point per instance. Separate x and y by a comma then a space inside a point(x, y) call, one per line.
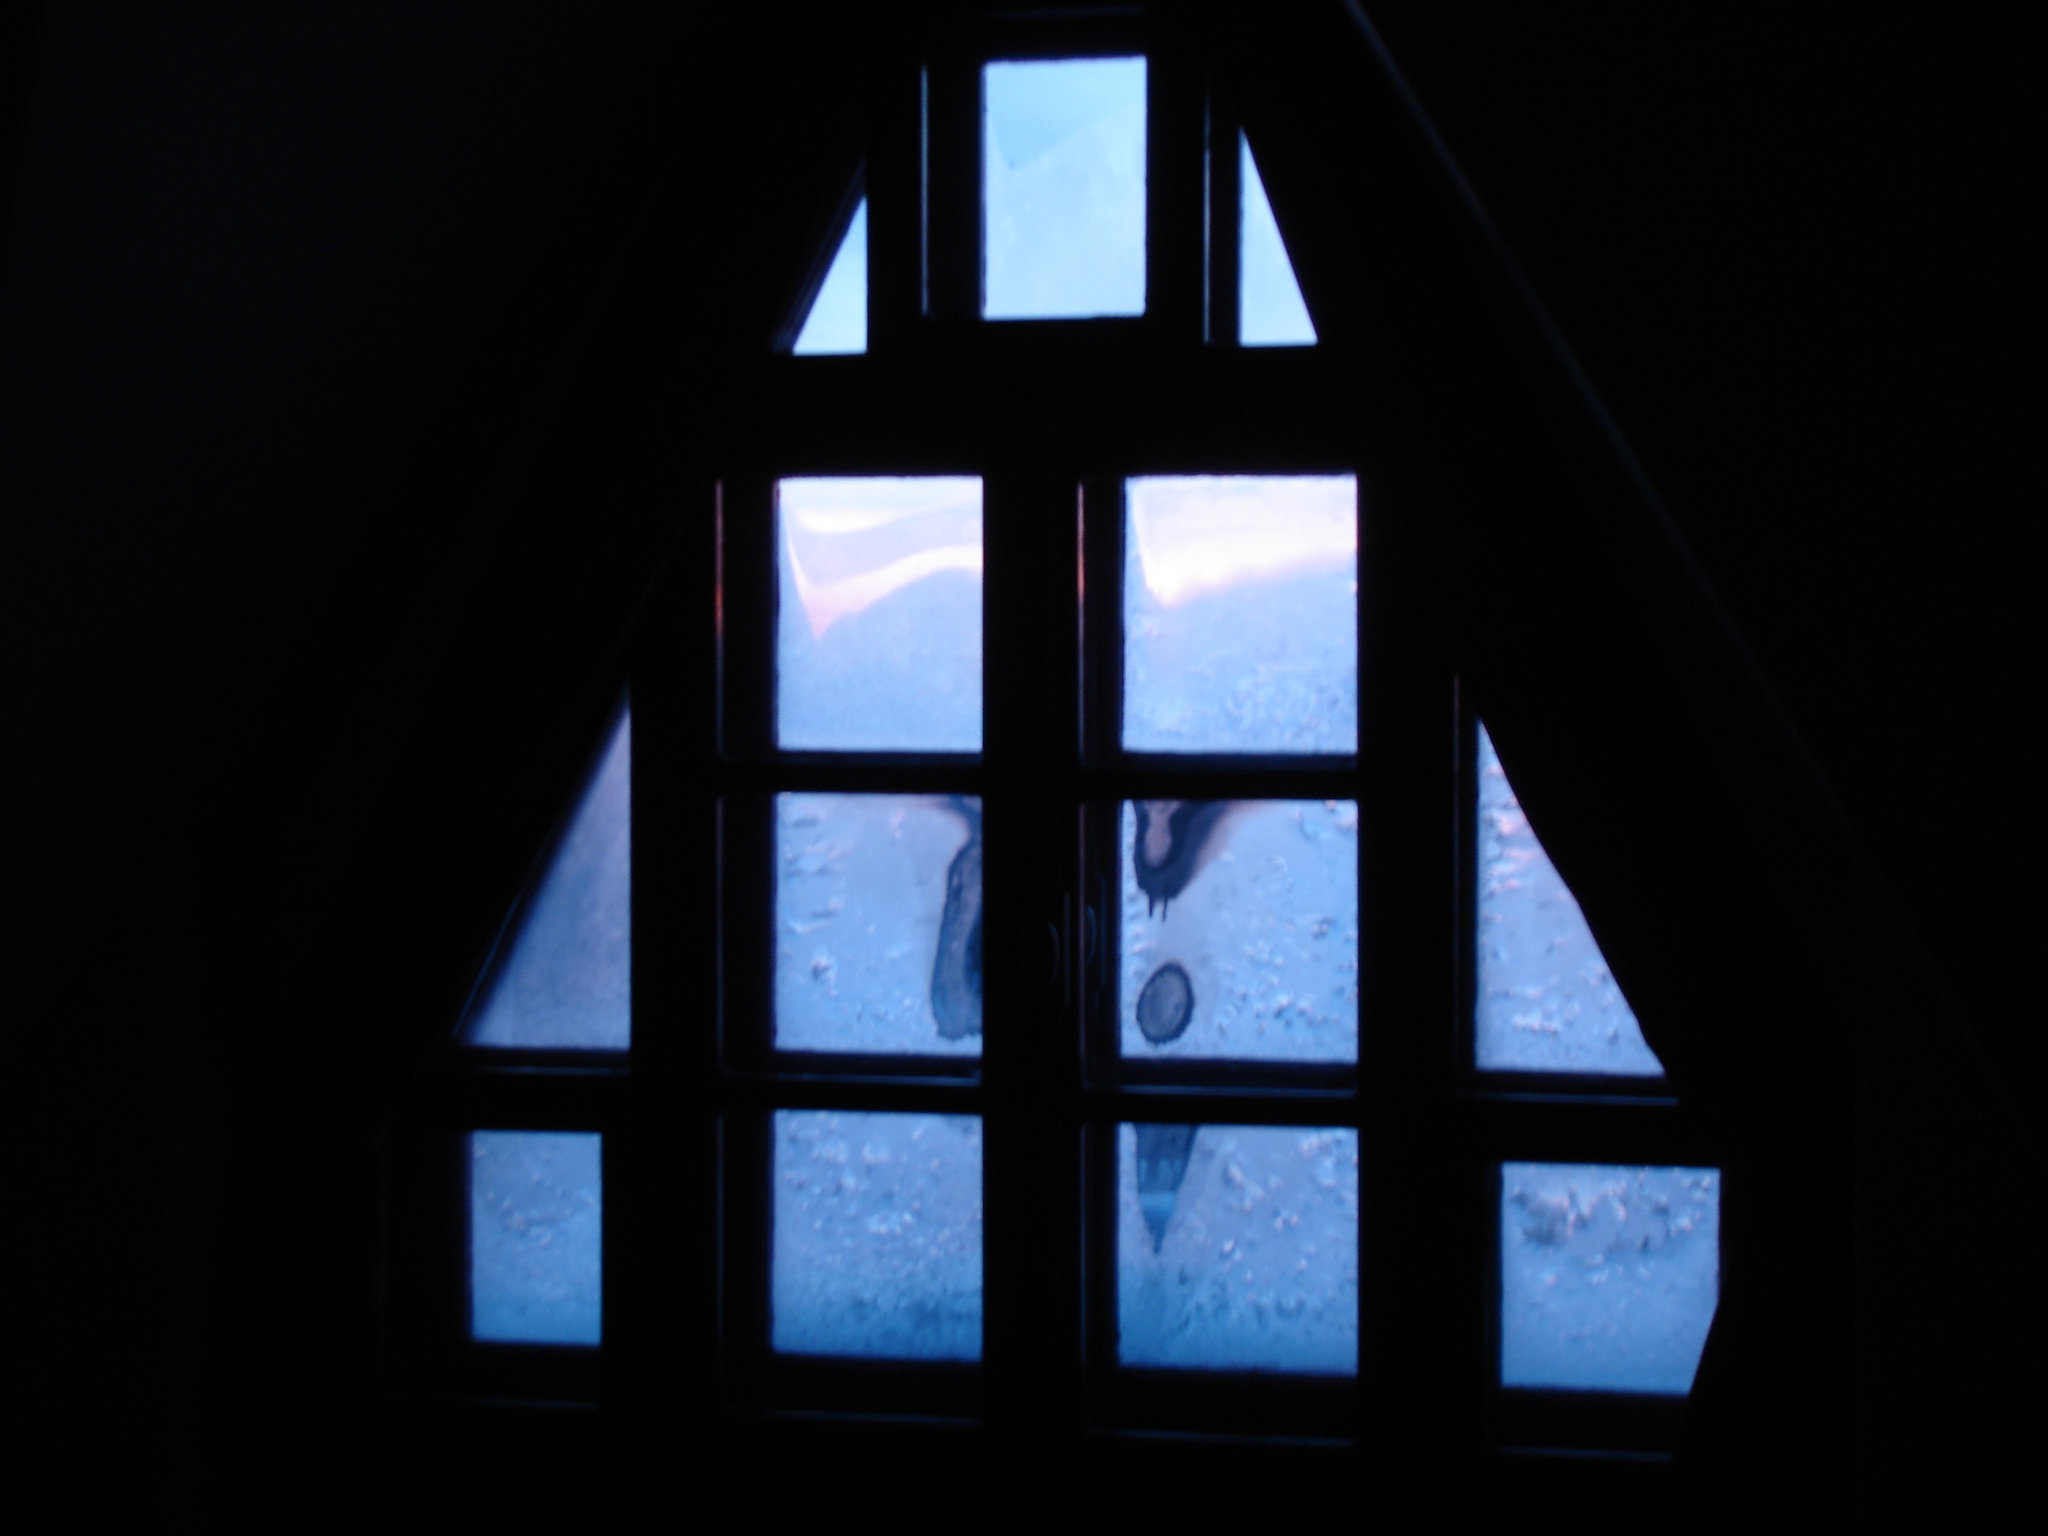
point(1241, 613)
point(1237, 1248)
point(1270, 311)
point(878, 923)
point(536, 1230)
point(1545, 1001)
point(878, 642)
point(1240, 930)
point(1063, 188)
point(877, 1245)
point(838, 320)
point(1608, 1276)
point(565, 980)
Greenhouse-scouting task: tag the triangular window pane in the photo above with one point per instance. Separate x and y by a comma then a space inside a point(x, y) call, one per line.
point(1546, 1001)
point(838, 321)
point(562, 977)
point(1270, 311)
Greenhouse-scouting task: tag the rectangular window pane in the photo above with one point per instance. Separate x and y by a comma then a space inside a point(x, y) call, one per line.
point(878, 642)
point(536, 1228)
point(1063, 188)
point(1240, 930)
point(1608, 1276)
point(1237, 1248)
point(1241, 613)
point(877, 1235)
point(878, 923)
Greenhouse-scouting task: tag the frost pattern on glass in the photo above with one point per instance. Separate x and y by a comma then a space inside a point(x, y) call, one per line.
point(1255, 904)
point(878, 923)
point(877, 1235)
point(1609, 1276)
point(879, 632)
point(1270, 311)
point(1546, 1000)
point(1237, 1248)
point(1063, 188)
point(536, 1227)
point(838, 321)
point(1241, 613)
point(567, 980)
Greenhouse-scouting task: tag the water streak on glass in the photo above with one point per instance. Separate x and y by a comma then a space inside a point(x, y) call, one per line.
point(536, 1228)
point(1241, 613)
point(878, 923)
point(566, 980)
point(1609, 1275)
point(1546, 1000)
point(1237, 1248)
point(838, 321)
point(879, 631)
point(1240, 930)
point(1270, 311)
point(877, 1235)
point(1063, 188)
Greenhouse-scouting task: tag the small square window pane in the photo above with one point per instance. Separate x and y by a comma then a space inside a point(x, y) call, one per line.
point(1609, 1275)
point(879, 633)
point(878, 923)
point(1240, 930)
point(536, 1228)
point(1546, 1000)
point(1063, 188)
point(877, 1235)
point(1241, 613)
point(1237, 1248)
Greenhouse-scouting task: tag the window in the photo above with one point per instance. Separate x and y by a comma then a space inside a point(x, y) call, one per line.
point(1115, 1016)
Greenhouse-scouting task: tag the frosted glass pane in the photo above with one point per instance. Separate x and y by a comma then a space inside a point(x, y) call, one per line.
point(536, 1228)
point(1240, 929)
point(838, 321)
point(1063, 189)
point(1546, 1000)
point(1237, 1248)
point(877, 1235)
point(567, 979)
point(1609, 1276)
point(878, 923)
point(1270, 311)
point(879, 634)
point(1241, 613)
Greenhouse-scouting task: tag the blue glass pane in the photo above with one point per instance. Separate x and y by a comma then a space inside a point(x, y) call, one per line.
point(1063, 190)
point(1237, 1248)
point(838, 321)
point(877, 1235)
point(1270, 311)
point(536, 1228)
point(1241, 613)
point(1546, 1000)
point(1608, 1276)
point(567, 978)
point(878, 923)
point(879, 635)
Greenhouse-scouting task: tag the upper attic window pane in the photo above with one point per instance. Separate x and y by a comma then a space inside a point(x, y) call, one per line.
point(1270, 311)
point(567, 980)
point(1063, 190)
point(838, 321)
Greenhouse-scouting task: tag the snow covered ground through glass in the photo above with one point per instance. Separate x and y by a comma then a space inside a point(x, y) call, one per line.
point(536, 1222)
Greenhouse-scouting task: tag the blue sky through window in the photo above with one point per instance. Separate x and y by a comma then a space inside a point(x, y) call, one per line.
point(838, 321)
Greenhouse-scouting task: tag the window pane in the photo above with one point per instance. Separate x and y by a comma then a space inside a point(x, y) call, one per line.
point(838, 321)
point(1063, 189)
point(1240, 929)
point(1608, 1276)
point(536, 1225)
point(1237, 1248)
point(877, 1235)
point(879, 633)
point(1546, 1000)
point(1270, 312)
point(878, 923)
point(567, 979)
point(1241, 613)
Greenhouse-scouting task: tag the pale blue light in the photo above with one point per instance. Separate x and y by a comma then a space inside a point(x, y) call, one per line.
point(1270, 311)
point(838, 321)
point(536, 1233)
